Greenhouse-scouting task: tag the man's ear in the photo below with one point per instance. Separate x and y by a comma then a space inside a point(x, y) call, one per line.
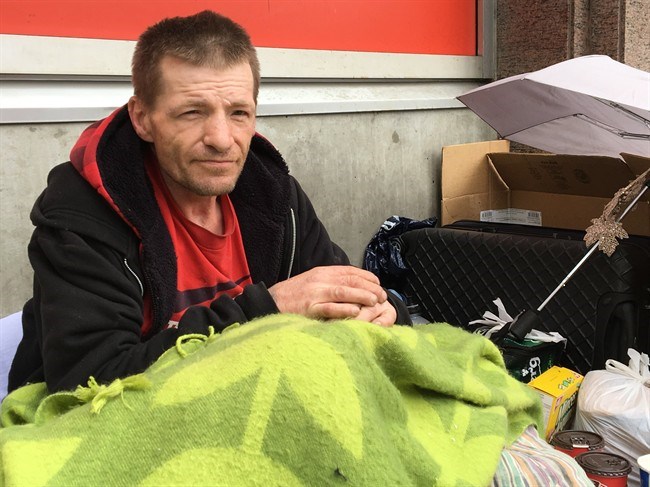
point(139, 115)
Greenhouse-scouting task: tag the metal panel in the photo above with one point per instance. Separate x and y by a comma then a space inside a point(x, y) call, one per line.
point(49, 101)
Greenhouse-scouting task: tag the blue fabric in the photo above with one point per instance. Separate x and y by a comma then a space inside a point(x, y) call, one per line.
point(11, 332)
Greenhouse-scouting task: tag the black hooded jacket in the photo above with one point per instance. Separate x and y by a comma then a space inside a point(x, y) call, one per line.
point(100, 244)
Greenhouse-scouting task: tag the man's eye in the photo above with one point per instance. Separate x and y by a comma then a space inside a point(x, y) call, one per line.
point(190, 113)
point(240, 113)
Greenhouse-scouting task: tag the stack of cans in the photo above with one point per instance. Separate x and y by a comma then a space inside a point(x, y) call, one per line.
point(605, 469)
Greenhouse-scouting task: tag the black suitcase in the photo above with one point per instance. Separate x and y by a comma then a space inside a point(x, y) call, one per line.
point(455, 272)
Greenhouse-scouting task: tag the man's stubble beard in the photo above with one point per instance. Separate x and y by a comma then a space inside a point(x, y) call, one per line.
point(210, 189)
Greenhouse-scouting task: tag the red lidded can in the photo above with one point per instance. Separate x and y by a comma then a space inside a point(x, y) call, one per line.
point(575, 442)
point(606, 468)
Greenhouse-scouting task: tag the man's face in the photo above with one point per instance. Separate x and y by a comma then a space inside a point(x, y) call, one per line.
point(201, 126)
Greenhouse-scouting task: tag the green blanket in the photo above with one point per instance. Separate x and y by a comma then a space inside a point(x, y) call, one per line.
point(280, 401)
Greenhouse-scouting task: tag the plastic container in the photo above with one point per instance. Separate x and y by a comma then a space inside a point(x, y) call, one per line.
point(644, 470)
point(575, 442)
point(607, 468)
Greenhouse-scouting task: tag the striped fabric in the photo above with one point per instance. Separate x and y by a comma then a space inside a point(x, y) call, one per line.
point(532, 462)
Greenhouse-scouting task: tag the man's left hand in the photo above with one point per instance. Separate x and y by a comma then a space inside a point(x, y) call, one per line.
point(382, 314)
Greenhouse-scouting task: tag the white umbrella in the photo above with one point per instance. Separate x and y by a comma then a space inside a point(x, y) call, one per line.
point(590, 105)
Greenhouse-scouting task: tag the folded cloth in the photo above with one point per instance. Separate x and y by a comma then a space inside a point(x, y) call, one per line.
point(530, 462)
point(283, 400)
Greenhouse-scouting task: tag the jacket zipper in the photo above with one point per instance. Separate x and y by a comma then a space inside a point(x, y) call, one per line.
point(293, 242)
point(126, 264)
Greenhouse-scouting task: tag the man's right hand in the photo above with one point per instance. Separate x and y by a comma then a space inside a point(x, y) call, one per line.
point(329, 292)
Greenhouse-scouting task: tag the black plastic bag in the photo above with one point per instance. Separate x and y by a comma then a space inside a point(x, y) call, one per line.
point(383, 255)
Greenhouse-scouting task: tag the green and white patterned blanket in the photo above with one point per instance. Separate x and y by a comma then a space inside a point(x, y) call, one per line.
point(281, 401)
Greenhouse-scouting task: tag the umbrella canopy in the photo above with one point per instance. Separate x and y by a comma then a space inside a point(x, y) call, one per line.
point(589, 105)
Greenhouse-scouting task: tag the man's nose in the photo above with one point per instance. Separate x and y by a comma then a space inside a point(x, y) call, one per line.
point(218, 133)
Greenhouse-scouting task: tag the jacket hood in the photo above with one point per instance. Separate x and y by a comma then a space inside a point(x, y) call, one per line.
point(110, 157)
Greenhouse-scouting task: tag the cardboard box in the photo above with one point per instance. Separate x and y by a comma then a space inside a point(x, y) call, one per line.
point(562, 191)
point(558, 388)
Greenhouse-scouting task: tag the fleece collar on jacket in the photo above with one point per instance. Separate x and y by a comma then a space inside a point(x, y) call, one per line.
point(110, 156)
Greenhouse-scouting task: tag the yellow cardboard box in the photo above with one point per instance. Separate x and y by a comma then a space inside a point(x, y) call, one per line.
point(558, 389)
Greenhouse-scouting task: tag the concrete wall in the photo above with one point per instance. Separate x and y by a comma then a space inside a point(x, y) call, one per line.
point(357, 168)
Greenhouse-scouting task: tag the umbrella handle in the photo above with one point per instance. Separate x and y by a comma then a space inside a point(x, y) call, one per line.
point(592, 249)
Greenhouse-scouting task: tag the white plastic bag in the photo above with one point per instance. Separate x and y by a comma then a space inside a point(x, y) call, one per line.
point(498, 322)
point(615, 403)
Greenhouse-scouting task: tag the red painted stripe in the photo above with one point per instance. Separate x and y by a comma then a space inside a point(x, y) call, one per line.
point(400, 26)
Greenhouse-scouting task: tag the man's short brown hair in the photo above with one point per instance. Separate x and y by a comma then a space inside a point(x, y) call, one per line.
point(202, 39)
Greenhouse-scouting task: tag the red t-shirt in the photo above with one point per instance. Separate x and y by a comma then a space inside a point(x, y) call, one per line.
point(208, 265)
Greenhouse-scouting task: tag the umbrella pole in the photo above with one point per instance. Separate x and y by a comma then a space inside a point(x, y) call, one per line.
point(593, 248)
